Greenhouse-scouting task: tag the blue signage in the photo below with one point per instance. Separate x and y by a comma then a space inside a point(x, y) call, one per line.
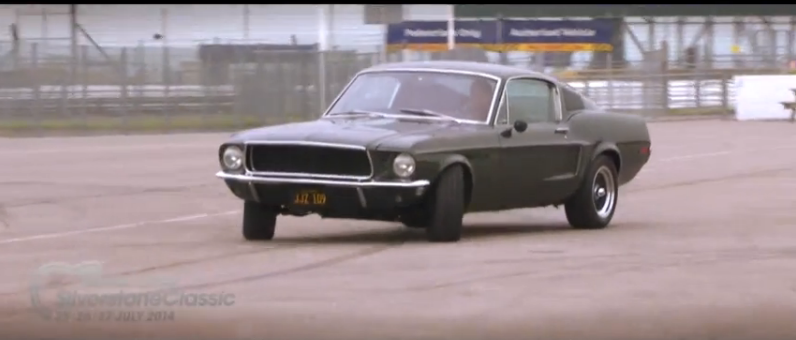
point(433, 35)
point(557, 36)
point(504, 35)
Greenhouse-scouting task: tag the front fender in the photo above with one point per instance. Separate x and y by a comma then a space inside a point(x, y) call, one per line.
point(456, 158)
point(447, 160)
point(431, 166)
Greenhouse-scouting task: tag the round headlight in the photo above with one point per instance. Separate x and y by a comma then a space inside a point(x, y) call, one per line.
point(232, 159)
point(403, 166)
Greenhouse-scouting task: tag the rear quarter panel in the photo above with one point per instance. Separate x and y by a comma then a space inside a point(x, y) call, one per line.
point(626, 134)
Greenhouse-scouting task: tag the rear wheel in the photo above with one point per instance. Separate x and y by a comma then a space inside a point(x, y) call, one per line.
point(446, 208)
point(593, 205)
point(259, 221)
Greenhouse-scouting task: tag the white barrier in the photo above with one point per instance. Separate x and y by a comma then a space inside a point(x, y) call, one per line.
point(761, 97)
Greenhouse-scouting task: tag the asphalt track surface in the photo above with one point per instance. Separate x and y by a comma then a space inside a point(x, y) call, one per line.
point(703, 246)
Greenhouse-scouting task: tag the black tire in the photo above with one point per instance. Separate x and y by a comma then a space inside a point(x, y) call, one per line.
point(259, 221)
point(585, 209)
point(446, 208)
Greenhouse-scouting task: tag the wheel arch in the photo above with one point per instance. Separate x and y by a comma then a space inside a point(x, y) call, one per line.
point(469, 176)
point(611, 151)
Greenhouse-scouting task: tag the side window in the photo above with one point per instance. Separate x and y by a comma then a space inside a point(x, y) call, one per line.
point(531, 100)
point(572, 101)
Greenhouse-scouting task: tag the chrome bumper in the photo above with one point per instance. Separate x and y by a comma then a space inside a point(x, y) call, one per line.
point(312, 181)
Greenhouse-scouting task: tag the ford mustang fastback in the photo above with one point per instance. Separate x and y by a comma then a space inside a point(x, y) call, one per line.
point(424, 143)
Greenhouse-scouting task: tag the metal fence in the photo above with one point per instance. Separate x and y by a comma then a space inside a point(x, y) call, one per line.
point(277, 87)
point(168, 85)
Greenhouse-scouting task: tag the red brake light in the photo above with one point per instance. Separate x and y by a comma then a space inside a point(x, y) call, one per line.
point(645, 150)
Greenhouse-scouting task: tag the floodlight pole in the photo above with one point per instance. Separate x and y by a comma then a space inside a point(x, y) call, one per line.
point(73, 35)
point(451, 27)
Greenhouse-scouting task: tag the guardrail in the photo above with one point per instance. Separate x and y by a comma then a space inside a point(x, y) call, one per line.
point(54, 100)
point(661, 94)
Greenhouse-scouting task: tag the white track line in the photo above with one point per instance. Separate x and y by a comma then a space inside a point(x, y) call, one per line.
point(94, 149)
point(697, 155)
point(116, 227)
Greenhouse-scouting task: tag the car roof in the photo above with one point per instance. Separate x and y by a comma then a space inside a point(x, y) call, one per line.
point(497, 70)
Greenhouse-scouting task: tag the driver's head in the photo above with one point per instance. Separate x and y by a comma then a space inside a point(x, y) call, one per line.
point(481, 92)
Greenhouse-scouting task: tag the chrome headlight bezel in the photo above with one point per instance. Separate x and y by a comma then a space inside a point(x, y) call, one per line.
point(404, 165)
point(232, 158)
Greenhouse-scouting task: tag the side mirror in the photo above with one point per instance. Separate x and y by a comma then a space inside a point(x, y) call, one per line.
point(520, 125)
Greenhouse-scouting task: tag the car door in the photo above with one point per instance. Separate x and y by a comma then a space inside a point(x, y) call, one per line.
point(541, 162)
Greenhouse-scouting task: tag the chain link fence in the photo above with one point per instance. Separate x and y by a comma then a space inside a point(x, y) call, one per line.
point(167, 84)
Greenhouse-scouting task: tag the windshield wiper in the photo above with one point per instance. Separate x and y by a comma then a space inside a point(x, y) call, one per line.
point(427, 113)
point(355, 112)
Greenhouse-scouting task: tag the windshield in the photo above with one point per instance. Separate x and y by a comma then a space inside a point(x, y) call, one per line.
point(461, 96)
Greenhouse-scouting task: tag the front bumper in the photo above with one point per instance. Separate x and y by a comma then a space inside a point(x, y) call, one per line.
point(346, 198)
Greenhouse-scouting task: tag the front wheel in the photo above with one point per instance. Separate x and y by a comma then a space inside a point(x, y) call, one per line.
point(593, 205)
point(259, 221)
point(447, 207)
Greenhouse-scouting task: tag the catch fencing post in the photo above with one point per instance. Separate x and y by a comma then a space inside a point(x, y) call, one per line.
point(610, 80)
point(73, 60)
point(124, 90)
point(725, 93)
point(84, 79)
point(140, 79)
point(323, 45)
point(166, 70)
point(36, 84)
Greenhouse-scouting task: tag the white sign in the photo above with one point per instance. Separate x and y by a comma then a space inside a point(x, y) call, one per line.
point(761, 97)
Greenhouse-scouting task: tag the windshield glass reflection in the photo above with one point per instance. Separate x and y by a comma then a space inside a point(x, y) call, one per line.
point(460, 96)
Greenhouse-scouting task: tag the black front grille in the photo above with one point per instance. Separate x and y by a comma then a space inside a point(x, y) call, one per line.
point(309, 159)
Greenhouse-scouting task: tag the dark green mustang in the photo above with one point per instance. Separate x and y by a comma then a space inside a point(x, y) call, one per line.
point(424, 143)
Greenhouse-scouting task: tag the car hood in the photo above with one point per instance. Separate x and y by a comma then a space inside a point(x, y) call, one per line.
point(370, 132)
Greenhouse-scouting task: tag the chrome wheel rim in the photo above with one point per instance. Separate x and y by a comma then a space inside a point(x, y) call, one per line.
point(604, 192)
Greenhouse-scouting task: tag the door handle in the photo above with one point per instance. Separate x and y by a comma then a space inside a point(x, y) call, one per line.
point(561, 130)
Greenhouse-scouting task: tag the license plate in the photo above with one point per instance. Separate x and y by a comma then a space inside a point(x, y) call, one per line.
point(310, 198)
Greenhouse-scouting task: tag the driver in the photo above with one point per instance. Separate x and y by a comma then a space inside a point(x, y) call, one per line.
point(478, 104)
